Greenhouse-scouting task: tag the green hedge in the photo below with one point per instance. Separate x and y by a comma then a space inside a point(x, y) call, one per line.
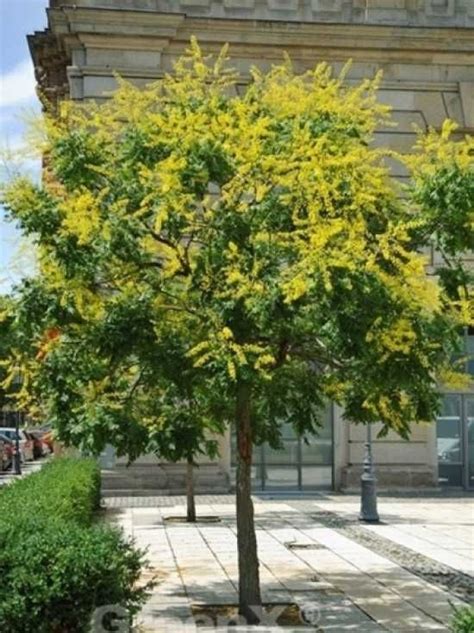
point(463, 620)
point(67, 489)
point(57, 564)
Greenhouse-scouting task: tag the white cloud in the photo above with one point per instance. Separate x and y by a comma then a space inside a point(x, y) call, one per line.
point(18, 85)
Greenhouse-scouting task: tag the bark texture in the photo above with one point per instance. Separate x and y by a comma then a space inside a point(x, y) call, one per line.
point(250, 601)
point(190, 501)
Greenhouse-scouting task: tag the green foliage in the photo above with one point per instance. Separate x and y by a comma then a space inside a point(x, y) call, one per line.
point(447, 196)
point(7, 340)
point(443, 187)
point(56, 575)
point(66, 489)
point(87, 155)
point(57, 564)
point(463, 619)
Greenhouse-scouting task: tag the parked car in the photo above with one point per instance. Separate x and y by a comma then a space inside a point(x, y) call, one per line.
point(7, 450)
point(40, 446)
point(3, 456)
point(26, 444)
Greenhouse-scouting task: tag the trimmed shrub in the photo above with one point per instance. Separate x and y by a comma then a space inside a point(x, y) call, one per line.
point(68, 489)
point(56, 564)
point(463, 620)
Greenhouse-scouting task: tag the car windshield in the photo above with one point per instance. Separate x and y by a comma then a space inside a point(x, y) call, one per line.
point(10, 433)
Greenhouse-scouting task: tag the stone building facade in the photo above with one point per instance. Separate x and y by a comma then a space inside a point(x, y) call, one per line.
point(426, 51)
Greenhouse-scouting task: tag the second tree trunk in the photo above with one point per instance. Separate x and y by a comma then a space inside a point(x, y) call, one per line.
point(191, 504)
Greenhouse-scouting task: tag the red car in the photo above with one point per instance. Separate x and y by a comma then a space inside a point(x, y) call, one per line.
point(26, 444)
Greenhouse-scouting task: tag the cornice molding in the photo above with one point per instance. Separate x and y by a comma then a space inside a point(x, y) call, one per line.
point(86, 41)
point(442, 13)
point(113, 42)
point(139, 24)
point(71, 19)
point(245, 78)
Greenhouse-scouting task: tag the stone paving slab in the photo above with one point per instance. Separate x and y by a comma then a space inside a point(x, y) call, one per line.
point(352, 587)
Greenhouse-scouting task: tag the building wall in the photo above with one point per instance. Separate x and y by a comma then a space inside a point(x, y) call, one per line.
point(398, 462)
point(425, 49)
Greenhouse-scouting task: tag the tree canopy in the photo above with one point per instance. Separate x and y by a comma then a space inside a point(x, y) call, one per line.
point(263, 223)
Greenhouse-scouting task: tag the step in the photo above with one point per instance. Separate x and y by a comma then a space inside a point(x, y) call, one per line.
point(162, 479)
point(123, 482)
point(161, 492)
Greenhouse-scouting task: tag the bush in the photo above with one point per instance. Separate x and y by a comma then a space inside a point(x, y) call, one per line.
point(68, 489)
point(463, 620)
point(57, 564)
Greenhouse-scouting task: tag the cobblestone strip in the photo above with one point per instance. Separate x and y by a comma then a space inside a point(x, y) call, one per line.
point(164, 501)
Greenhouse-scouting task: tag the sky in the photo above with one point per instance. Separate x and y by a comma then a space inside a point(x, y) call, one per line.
point(17, 102)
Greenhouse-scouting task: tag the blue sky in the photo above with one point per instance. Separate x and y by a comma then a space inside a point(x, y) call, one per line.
point(17, 99)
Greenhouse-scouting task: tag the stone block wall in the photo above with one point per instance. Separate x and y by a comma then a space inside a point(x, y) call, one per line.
point(398, 463)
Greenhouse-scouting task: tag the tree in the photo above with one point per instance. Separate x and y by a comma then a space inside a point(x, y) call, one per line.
point(188, 417)
point(267, 229)
point(111, 374)
point(184, 435)
point(6, 343)
point(12, 342)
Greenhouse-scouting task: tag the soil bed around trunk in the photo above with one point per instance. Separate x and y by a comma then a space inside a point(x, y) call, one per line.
point(275, 614)
point(295, 545)
point(183, 519)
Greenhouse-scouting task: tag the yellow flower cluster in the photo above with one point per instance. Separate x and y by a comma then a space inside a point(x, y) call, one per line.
point(81, 216)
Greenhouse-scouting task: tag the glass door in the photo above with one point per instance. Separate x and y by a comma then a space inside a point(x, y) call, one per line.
point(469, 439)
point(280, 468)
point(449, 432)
point(298, 465)
point(455, 441)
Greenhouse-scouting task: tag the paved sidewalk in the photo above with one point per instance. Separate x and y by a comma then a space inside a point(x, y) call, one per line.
point(312, 553)
point(26, 469)
point(438, 527)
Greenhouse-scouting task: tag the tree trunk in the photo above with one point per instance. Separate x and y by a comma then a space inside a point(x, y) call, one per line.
point(250, 601)
point(190, 502)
